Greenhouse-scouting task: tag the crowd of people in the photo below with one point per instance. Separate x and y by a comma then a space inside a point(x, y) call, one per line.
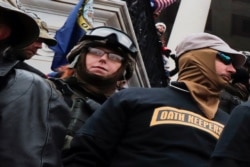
point(85, 117)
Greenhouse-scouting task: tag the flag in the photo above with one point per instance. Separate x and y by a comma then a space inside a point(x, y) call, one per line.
point(79, 20)
point(159, 5)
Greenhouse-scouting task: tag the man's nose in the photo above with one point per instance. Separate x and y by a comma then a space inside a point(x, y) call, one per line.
point(104, 56)
point(38, 44)
point(231, 68)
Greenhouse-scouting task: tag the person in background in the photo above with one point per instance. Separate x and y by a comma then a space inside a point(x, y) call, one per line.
point(166, 53)
point(236, 92)
point(175, 126)
point(247, 64)
point(232, 149)
point(161, 29)
point(102, 58)
point(31, 50)
point(33, 115)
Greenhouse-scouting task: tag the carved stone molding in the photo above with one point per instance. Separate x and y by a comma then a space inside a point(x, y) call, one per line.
point(106, 12)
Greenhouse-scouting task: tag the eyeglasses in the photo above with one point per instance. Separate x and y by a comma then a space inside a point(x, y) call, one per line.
point(104, 32)
point(224, 58)
point(111, 56)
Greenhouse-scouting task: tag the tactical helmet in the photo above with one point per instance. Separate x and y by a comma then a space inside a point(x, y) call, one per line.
point(108, 37)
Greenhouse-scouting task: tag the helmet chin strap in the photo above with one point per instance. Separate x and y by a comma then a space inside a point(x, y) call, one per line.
point(74, 62)
point(123, 77)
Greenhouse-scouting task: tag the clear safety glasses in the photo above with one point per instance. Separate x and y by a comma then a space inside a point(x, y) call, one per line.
point(99, 53)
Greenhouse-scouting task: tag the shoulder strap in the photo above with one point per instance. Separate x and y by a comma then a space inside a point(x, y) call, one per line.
point(66, 90)
point(62, 86)
point(82, 106)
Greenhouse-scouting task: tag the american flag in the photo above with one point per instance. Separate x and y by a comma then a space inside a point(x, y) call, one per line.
point(159, 5)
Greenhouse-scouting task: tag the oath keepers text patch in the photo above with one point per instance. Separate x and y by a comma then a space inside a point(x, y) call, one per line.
point(170, 115)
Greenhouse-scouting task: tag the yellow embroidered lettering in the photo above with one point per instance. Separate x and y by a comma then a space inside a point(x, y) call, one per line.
point(170, 115)
point(200, 123)
point(195, 120)
point(190, 119)
point(182, 117)
point(164, 115)
point(205, 124)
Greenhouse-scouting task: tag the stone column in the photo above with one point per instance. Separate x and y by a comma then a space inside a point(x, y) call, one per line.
point(191, 17)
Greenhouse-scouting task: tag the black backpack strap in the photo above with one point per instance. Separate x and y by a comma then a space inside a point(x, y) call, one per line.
point(82, 107)
point(62, 86)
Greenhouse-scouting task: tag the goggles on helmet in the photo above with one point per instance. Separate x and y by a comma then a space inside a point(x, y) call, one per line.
point(103, 32)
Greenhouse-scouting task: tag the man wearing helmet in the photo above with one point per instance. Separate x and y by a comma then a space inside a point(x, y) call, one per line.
point(33, 116)
point(103, 57)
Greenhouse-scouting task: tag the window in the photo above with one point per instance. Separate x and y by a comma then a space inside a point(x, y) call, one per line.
point(240, 25)
point(246, 1)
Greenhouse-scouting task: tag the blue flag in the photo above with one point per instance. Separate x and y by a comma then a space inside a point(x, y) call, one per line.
point(78, 21)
